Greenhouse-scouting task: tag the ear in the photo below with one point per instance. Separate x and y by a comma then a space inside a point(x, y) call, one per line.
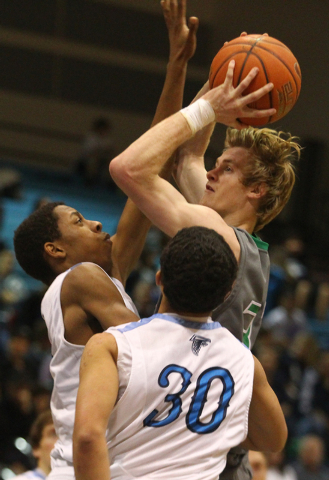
point(258, 191)
point(54, 250)
point(36, 452)
point(158, 278)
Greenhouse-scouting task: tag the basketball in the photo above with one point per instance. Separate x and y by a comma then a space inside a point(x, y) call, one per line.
point(276, 64)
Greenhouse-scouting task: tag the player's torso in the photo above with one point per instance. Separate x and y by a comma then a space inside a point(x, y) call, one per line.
point(243, 310)
point(189, 388)
point(65, 365)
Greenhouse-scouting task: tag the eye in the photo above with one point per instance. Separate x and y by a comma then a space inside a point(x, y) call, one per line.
point(228, 169)
point(79, 220)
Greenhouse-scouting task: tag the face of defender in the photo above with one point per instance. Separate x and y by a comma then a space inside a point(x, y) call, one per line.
point(83, 240)
point(225, 192)
point(47, 442)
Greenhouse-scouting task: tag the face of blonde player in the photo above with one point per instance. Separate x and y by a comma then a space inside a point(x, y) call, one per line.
point(225, 192)
point(47, 442)
point(83, 240)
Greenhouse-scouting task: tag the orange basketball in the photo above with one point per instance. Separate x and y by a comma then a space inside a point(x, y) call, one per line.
point(276, 64)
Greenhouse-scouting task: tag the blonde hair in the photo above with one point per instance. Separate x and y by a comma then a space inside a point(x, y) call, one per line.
point(271, 154)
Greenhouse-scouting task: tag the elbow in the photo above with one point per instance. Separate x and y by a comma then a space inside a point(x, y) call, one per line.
point(281, 439)
point(116, 169)
point(121, 172)
point(278, 440)
point(84, 440)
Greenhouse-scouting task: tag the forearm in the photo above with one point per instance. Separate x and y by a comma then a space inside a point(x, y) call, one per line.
point(190, 173)
point(91, 460)
point(267, 429)
point(146, 157)
point(191, 177)
point(171, 98)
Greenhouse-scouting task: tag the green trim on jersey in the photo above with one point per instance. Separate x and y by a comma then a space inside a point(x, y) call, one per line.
point(246, 337)
point(260, 243)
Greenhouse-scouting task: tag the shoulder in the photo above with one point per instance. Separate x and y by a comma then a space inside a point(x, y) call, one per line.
point(84, 274)
point(253, 240)
point(86, 279)
point(102, 341)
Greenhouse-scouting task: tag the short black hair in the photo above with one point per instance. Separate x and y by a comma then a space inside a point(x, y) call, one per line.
point(198, 269)
point(29, 239)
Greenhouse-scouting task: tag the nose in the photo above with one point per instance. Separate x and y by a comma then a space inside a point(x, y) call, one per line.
point(96, 226)
point(213, 174)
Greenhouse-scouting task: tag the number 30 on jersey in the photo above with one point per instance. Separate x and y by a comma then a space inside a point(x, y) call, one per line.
point(198, 400)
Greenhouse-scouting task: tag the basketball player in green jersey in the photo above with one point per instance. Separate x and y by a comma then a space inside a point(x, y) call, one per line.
point(249, 186)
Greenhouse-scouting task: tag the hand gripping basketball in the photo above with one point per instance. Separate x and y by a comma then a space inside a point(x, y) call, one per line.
point(276, 64)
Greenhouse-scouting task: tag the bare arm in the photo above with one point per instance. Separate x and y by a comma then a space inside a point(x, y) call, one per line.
point(137, 169)
point(129, 241)
point(267, 426)
point(97, 394)
point(190, 173)
point(88, 294)
point(182, 42)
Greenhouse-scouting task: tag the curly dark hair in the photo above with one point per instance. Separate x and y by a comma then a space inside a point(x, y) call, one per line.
point(198, 269)
point(29, 239)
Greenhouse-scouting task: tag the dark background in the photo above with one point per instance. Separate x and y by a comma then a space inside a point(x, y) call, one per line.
point(66, 61)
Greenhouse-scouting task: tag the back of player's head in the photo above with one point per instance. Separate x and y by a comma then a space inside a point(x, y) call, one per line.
point(29, 239)
point(198, 269)
point(270, 163)
point(43, 419)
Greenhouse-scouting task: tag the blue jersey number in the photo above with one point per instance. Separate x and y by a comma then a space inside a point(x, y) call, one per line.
point(198, 401)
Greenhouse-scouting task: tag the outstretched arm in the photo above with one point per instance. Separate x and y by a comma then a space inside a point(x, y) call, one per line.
point(182, 44)
point(133, 226)
point(97, 394)
point(137, 169)
point(189, 171)
point(267, 430)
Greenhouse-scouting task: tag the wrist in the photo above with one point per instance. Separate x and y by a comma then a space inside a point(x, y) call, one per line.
point(198, 115)
point(178, 66)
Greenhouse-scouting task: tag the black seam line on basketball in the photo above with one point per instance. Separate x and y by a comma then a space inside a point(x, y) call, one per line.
point(250, 52)
point(263, 41)
point(243, 51)
point(269, 94)
point(284, 63)
point(247, 56)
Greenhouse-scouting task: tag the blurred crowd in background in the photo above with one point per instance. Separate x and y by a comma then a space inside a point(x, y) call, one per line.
point(293, 347)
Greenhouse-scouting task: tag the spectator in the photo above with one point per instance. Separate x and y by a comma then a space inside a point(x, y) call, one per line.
point(43, 438)
point(96, 153)
point(285, 320)
point(310, 462)
point(278, 469)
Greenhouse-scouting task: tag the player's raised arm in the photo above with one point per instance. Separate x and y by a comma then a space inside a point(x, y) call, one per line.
point(190, 173)
point(133, 226)
point(137, 169)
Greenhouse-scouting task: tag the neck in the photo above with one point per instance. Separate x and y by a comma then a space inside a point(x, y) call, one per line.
point(244, 222)
point(44, 467)
point(195, 317)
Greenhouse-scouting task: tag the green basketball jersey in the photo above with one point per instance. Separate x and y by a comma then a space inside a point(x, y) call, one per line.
point(242, 311)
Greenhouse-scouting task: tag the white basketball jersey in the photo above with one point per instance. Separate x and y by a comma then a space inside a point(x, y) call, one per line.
point(64, 367)
point(186, 403)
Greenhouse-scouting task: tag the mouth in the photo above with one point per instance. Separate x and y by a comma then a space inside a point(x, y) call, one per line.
point(208, 188)
point(107, 238)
